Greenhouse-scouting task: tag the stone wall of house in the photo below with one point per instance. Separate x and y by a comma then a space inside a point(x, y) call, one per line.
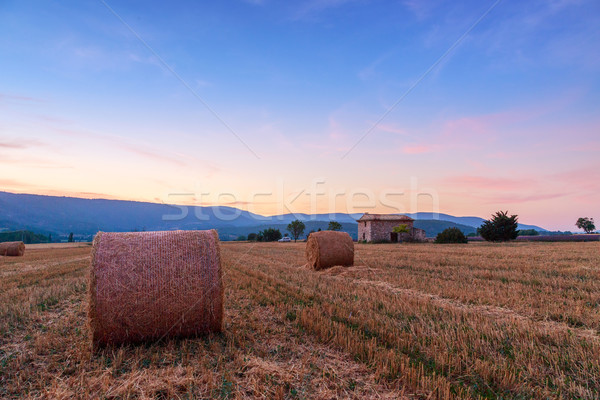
point(379, 230)
point(363, 230)
point(418, 234)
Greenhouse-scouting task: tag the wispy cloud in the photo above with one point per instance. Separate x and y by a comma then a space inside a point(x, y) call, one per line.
point(312, 7)
point(12, 145)
point(500, 190)
point(518, 198)
point(256, 2)
point(143, 149)
point(484, 183)
point(590, 147)
point(391, 129)
point(12, 184)
point(32, 162)
point(586, 178)
point(155, 155)
point(202, 83)
point(336, 131)
point(166, 156)
point(421, 9)
point(370, 70)
point(480, 131)
point(531, 38)
point(581, 183)
point(418, 149)
point(20, 144)
point(12, 97)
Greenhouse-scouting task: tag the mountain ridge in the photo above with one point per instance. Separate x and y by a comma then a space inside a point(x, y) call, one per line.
point(63, 214)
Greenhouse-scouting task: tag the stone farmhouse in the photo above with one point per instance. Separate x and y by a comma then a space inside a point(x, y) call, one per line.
point(380, 228)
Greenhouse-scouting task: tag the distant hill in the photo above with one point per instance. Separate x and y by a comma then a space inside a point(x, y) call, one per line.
point(26, 237)
point(61, 215)
point(474, 222)
point(229, 233)
point(68, 214)
point(433, 227)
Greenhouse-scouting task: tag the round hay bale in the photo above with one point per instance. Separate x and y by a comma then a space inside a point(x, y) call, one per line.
point(329, 248)
point(12, 249)
point(150, 285)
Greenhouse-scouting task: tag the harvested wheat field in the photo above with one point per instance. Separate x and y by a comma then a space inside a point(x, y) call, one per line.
point(411, 321)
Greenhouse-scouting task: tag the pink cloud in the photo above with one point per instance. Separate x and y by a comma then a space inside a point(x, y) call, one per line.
point(20, 144)
point(467, 125)
point(335, 129)
point(524, 198)
point(156, 155)
point(585, 178)
point(473, 182)
point(12, 145)
point(586, 148)
point(13, 184)
point(391, 129)
point(5, 96)
point(502, 155)
point(417, 149)
point(472, 132)
point(35, 162)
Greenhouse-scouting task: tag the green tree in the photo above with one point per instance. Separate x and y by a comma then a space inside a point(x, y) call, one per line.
point(269, 235)
point(49, 238)
point(252, 237)
point(451, 235)
point(500, 228)
point(296, 229)
point(241, 238)
point(70, 240)
point(334, 226)
point(587, 224)
point(26, 237)
point(402, 228)
point(528, 232)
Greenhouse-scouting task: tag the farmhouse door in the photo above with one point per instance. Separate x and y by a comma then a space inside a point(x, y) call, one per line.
point(394, 236)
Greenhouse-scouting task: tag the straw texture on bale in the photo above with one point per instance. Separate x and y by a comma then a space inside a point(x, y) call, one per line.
point(151, 285)
point(12, 249)
point(329, 248)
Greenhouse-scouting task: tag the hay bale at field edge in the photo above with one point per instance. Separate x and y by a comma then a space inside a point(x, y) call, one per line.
point(12, 249)
point(326, 249)
point(150, 285)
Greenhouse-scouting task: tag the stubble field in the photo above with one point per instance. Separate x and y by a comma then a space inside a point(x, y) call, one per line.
point(518, 320)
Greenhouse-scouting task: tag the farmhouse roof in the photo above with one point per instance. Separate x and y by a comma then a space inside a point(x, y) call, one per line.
point(384, 217)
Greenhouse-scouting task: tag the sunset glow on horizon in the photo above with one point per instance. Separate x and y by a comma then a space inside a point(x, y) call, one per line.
point(309, 107)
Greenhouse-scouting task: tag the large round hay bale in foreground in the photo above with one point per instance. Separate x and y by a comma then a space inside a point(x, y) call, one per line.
point(329, 248)
point(12, 249)
point(151, 285)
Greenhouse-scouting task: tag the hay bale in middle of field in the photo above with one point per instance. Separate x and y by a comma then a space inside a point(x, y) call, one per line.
point(149, 285)
point(12, 249)
point(329, 248)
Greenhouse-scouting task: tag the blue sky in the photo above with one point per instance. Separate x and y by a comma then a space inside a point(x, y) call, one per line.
point(507, 120)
